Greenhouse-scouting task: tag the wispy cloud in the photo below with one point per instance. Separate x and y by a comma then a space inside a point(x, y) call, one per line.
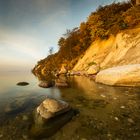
point(19, 48)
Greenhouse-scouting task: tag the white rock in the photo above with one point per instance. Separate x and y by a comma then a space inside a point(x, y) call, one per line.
point(116, 118)
point(122, 107)
point(103, 96)
point(127, 75)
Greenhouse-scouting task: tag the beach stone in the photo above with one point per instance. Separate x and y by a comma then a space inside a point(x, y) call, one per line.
point(22, 83)
point(49, 117)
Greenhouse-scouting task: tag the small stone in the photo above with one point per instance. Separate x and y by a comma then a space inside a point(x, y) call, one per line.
point(103, 96)
point(127, 91)
point(24, 118)
point(22, 83)
point(135, 134)
point(109, 135)
point(115, 98)
point(79, 105)
point(130, 120)
point(78, 136)
point(116, 118)
point(25, 137)
point(122, 107)
point(83, 139)
point(1, 135)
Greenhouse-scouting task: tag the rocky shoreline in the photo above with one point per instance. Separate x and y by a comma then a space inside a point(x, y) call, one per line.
point(126, 75)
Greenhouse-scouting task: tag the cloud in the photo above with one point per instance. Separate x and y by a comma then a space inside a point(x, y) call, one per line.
point(20, 49)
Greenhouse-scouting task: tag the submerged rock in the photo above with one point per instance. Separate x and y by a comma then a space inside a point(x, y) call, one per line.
point(22, 83)
point(127, 75)
point(16, 106)
point(45, 84)
point(50, 116)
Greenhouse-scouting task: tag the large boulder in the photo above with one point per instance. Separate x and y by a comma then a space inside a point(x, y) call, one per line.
point(50, 116)
point(52, 107)
point(127, 75)
point(94, 69)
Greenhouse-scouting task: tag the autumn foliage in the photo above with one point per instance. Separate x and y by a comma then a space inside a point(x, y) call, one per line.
point(105, 21)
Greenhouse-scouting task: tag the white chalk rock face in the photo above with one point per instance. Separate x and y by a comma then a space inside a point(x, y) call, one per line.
point(126, 75)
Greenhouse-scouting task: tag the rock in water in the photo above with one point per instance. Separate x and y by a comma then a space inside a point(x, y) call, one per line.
point(126, 75)
point(17, 106)
point(22, 84)
point(50, 116)
point(45, 84)
point(51, 107)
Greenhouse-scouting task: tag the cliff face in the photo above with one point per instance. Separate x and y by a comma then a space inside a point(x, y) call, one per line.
point(122, 49)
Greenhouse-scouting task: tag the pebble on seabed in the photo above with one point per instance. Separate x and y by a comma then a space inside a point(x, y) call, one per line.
point(116, 118)
point(122, 107)
point(103, 96)
point(130, 120)
point(1, 135)
point(25, 118)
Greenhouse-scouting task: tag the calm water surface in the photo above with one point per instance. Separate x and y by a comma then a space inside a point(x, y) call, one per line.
point(106, 113)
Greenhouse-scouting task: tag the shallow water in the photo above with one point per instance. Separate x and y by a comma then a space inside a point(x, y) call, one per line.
point(106, 113)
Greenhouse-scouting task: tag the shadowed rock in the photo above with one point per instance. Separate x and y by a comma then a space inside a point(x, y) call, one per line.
point(17, 106)
point(22, 83)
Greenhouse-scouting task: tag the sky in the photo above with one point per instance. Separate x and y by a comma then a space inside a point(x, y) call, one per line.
point(28, 28)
